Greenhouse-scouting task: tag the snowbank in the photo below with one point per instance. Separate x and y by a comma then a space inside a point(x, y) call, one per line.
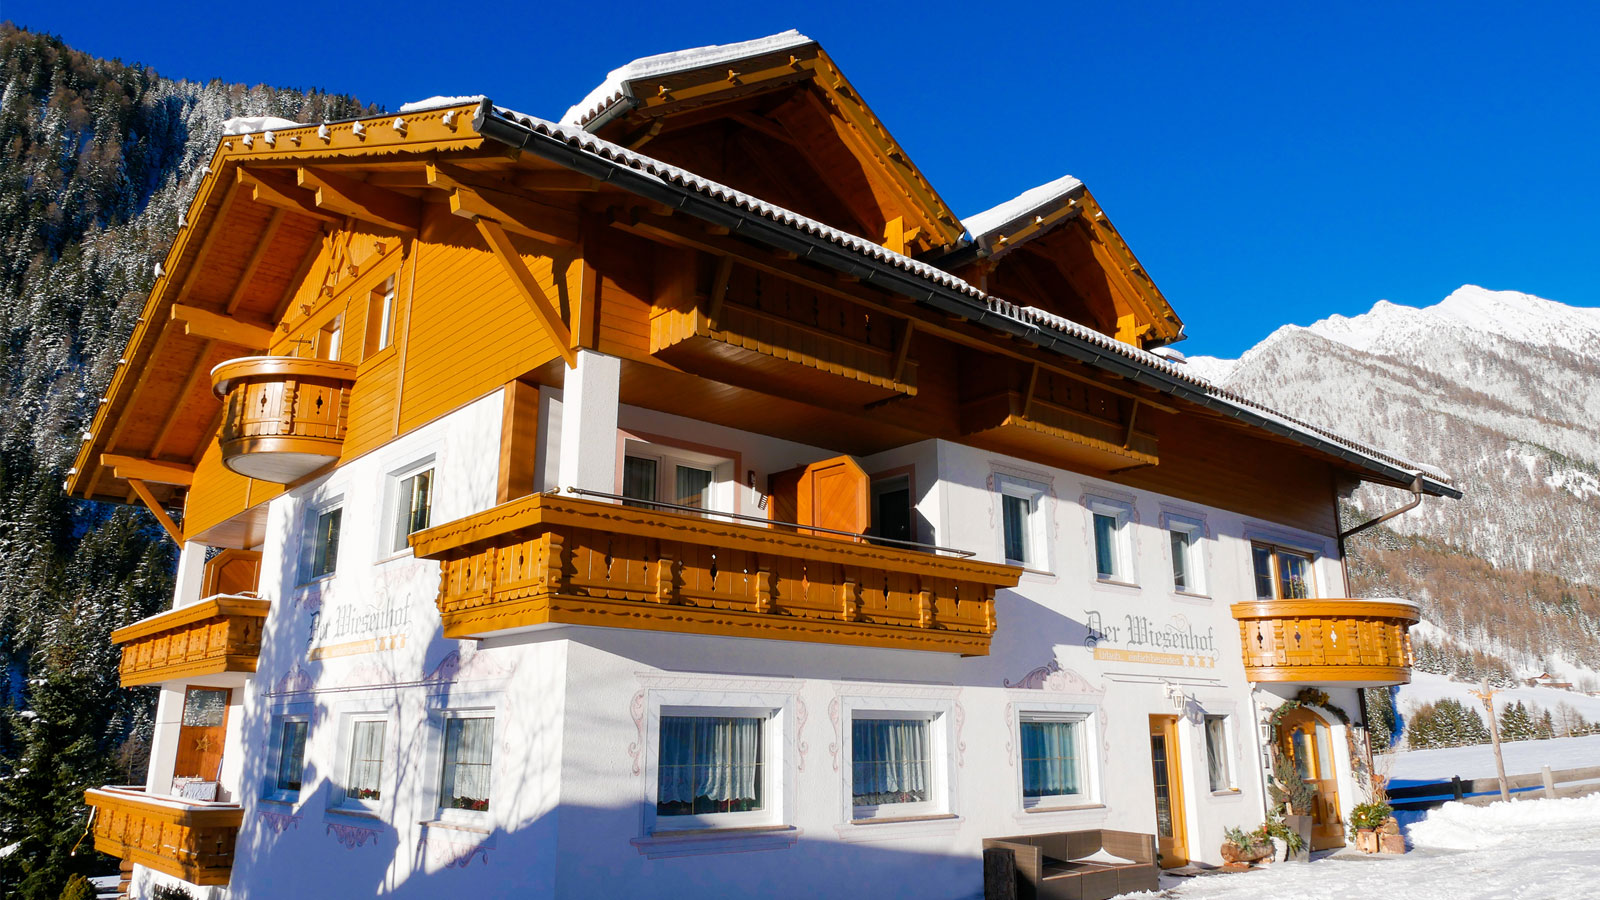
point(1457, 826)
point(436, 102)
point(256, 124)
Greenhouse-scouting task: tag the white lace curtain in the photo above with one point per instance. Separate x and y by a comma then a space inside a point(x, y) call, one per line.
point(366, 761)
point(710, 758)
point(1049, 759)
point(889, 761)
point(468, 760)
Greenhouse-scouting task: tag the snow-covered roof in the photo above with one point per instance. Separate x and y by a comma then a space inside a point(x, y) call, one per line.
point(993, 219)
point(575, 137)
point(256, 124)
point(616, 87)
point(436, 102)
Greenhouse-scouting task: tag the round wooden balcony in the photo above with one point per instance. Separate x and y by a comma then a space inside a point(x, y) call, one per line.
point(1346, 643)
point(284, 417)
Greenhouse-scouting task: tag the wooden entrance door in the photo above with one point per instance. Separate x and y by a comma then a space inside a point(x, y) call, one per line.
point(1307, 741)
point(201, 736)
point(1168, 774)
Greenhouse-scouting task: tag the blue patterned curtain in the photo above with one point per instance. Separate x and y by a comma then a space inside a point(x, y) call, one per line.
point(1050, 759)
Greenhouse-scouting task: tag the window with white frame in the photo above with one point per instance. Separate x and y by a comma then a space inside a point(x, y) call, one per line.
point(714, 767)
point(410, 504)
point(1111, 523)
point(895, 763)
point(467, 762)
point(1217, 763)
point(380, 316)
point(1184, 536)
point(666, 474)
point(1022, 520)
point(363, 781)
point(288, 757)
point(322, 554)
point(1051, 750)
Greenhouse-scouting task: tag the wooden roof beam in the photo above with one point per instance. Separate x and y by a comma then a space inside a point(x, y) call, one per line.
point(472, 198)
point(212, 326)
point(279, 192)
point(256, 255)
point(130, 468)
point(349, 197)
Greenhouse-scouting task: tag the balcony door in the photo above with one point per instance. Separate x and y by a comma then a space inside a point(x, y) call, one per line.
point(202, 733)
point(1307, 741)
point(1168, 774)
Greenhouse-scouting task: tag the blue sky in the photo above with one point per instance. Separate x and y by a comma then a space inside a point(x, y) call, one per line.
point(1268, 163)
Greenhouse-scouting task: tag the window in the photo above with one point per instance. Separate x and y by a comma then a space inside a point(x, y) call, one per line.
point(1188, 565)
point(330, 339)
point(1022, 523)
point(1281, 574)
point(289, 758)
point(1053, 771)
point(891, 509)
point(653, 472)
point(380, 317)
point(1217, 753)
point(711, 768)
point(324, 557)
point(413, 505)
point(1113, 546)
point(364, 776)
point(468, 760)
point(892, 764)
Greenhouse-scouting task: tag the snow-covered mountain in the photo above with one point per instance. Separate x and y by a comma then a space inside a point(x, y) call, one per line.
point(1499, 389)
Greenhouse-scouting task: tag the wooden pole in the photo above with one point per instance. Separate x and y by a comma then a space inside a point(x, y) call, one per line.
point(1549, 781)
point(1494, 734)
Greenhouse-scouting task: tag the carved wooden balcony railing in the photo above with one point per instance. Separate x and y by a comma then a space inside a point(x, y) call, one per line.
point(773, 336)
point(1008, 421)
point(283, 417)
point(188, 839)
point(548, 559)
point(1347, 642)
point(218, 634)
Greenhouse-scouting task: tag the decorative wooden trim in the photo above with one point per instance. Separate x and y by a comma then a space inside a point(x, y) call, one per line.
point(220, 634)
point(186, 839)
point(549, 559)
point(287, 411)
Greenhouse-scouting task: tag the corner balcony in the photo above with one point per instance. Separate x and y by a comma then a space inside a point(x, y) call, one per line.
point(549, 559)
point(188, 839)
point(215, 636)
point(1346, 643)
point(283, 417)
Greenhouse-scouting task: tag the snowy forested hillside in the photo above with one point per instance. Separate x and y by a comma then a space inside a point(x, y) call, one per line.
point(97, 159)
point(1501, 390)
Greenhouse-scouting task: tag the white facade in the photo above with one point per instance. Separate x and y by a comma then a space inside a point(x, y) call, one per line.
point(577, 711)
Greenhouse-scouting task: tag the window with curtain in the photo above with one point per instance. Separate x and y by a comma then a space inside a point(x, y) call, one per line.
point(364, 782)
point(693, 484)
point(1217, 753)
point(639, 479)
point(1052, 765)
point(1107, 553)
point(291, 755)
point(325, 544)
point(1015, 512)
point(468, 759)
point(660, 473)
point(1281, 574)
point(891, 761)
point(710, 764)
point(413, 507)
point(1188, 567)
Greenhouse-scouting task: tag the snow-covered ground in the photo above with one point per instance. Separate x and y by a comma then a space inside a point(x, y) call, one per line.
point(1533, 849)
point(1522, 758)
point(1426, 687)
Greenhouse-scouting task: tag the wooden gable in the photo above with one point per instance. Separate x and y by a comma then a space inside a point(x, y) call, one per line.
point(786, 126)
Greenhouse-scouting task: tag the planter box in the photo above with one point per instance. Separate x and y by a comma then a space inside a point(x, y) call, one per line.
point(1367, 840)
point(1391, 843)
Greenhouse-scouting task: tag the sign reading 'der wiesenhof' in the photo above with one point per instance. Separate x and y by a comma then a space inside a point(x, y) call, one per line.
point(1141, 639)
point(350, 628)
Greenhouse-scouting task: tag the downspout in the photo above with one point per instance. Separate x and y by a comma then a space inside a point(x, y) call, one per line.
point(1416, 499)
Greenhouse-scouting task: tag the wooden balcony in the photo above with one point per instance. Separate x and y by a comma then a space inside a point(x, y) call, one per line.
point(283, 417)
point(188, 839)
point(1351, 643)
point(816, 349)
point(214, 636)
point(1011, 422)
point(548, 559)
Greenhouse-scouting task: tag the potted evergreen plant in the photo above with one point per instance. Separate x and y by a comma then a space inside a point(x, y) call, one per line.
point(1240, 846)
point(1367, 819)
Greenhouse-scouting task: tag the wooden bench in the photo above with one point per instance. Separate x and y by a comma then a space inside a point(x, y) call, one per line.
point(1063, 866)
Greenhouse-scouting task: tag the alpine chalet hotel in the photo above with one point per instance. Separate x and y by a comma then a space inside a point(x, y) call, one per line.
point(678, 499)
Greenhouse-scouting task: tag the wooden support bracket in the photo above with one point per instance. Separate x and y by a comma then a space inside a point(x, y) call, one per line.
point(542, 299)
point(130, 468)
point(281, 193)
point(173, 531)
point(212, 326)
